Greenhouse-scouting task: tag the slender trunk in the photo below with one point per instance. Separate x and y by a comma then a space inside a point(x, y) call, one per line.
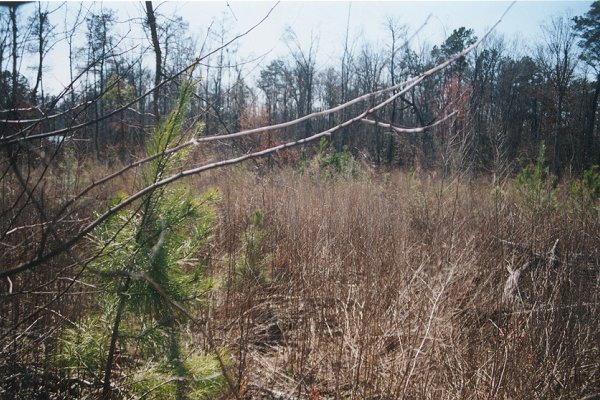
point(151, 19)
point(378, 145)
point(174, 356)
point(557, 166)
point(308, 106)
point(101, 125)
point(106, 391)
point(96, 125)
point(269, 142)
point(120, 102)
point(40, 37)
point(13, 20)
point(344, 83)
point(390, 146)
point(589, 135)
point(139, 140)
point(70, 42)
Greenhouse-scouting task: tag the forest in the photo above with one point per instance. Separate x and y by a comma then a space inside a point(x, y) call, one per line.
point(405, 222)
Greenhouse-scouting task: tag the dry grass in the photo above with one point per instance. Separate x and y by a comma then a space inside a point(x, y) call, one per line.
point(35, 305)
point(391, 287)
point(383, 287)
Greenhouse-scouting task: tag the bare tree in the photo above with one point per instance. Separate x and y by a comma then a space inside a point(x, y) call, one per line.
point(12, 11)
point(304, 73)
point(151, 22)
point(557, 58)
point(397, 32)
point(588, 29)
point(43, 33)
point(70, 37)
point(100, 43)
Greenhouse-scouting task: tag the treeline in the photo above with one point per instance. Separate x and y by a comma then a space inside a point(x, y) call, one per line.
point(507, 98)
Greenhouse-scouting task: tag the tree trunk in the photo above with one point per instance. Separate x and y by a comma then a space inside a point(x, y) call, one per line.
point(40, 38)
point(557, 166)
point(13, 20)
point(106, 390)
point(389, 153)
point(151, 19)
point(589, 134)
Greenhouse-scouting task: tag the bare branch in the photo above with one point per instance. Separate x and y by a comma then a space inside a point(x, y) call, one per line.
point(408, 130)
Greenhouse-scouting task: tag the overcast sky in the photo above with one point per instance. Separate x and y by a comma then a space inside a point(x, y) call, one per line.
point(325, 22)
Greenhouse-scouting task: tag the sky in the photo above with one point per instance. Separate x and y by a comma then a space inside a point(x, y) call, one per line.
point(322, 22)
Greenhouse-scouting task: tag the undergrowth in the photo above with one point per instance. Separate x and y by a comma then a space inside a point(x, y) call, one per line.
point(381, 286)
point(393, 288)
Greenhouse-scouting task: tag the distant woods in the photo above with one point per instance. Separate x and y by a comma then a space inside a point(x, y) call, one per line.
point(508, 97)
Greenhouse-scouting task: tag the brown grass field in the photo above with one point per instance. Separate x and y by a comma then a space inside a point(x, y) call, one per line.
point(383, 286)
point(392, 287)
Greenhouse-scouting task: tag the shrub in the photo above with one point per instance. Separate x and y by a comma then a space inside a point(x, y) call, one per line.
point(588, 187)
point(333, 164)
point(252, 265)
point(534, 185)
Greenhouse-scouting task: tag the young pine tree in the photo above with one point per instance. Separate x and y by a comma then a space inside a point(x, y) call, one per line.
point(150, 273)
